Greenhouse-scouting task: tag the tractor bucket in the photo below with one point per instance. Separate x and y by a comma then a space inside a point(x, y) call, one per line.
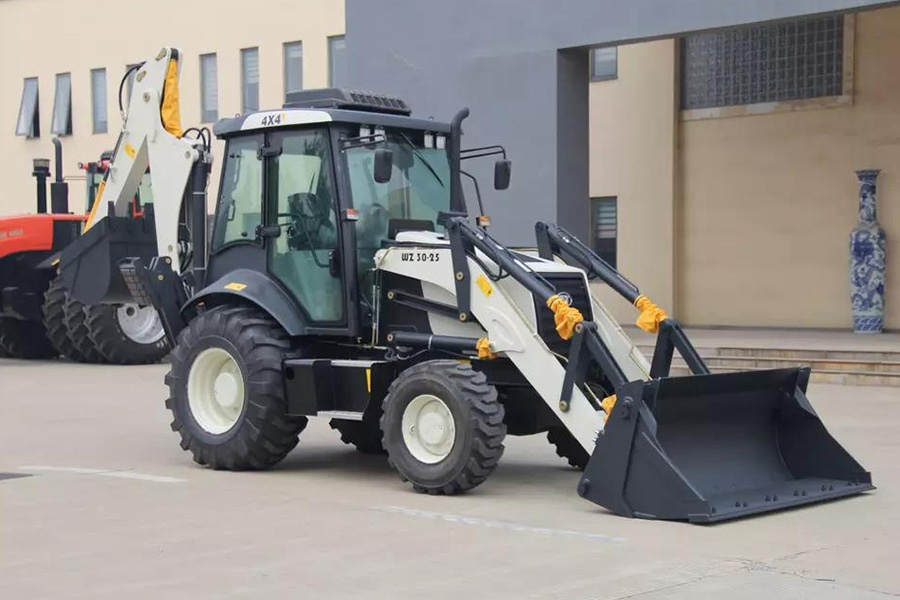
point(710, 448)
point(89, 266)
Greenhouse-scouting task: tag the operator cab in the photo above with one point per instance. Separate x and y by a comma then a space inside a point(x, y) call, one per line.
point(309, 193)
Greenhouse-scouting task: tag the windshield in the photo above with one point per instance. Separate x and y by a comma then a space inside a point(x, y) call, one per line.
point(418, 190)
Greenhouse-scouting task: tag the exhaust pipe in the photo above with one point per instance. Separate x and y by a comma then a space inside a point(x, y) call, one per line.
point(59, 189)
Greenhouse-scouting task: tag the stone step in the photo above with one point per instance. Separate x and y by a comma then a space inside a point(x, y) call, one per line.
point(798, 355)
point(848, 368)
point(761, 362)
point(818, 376)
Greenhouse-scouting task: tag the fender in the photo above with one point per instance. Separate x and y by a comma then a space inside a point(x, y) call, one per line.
point(259, 289)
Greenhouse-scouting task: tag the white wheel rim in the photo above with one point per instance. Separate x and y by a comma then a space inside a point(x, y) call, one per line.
point(140, 325)
point(215, 390)
point(429, 429)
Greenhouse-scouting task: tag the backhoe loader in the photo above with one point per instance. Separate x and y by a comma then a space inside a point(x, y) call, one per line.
point(344, 280)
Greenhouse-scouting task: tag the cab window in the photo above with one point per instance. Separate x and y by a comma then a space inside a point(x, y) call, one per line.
point(304, 256)
point(240, 198)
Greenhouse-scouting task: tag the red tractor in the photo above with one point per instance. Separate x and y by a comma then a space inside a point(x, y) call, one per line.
point(38, 319)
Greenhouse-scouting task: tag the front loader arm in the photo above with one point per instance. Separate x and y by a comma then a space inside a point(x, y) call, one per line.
point(509, 332)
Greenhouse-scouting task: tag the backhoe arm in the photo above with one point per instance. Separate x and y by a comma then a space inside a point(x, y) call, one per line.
point(151, 135)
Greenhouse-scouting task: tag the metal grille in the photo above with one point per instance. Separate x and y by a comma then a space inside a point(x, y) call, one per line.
point(764, 63)
point(605, 225)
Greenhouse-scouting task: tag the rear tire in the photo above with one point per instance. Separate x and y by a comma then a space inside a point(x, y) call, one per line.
point(443, 427)
point(77, 331)
point(115, 341)
point(567, 447)
point(54, 310)
point(365, 435)
point(25, 339)
point(226, 391)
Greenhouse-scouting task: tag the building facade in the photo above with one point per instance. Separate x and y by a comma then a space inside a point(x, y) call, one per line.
point(725, 188)
point(738, 213)
point(77, 53)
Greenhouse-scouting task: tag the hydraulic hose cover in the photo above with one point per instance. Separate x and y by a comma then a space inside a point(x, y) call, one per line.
point(607, 405)
point(651, 315)
point(170, 111)
point(484, 349)
point(566, 317)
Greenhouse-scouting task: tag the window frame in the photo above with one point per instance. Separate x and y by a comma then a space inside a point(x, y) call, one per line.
point(275, 140)
point(65, 128)
point(244, 72)
point(595, 210)
point(609, 76)
point(214, 249)
point(285, 70)
point(845, 99)
point(105, 91)
point(331, 40)
point(34, 128)
point(204, 114)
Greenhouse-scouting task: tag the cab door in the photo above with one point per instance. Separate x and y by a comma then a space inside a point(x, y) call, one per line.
point(304, 253)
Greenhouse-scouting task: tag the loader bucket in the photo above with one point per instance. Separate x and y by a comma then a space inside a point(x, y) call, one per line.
point(710, 448)
point(89, 266)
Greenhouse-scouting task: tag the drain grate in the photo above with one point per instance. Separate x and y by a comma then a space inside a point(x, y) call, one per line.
point(13, 475)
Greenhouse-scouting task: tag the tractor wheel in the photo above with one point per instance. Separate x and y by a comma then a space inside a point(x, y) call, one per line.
point(567, 447)
point(77, 330)
point(365, 435)
point(226, 391)
point(54, 310)
point(127, 334)
point(443, 427)
point(25, 339)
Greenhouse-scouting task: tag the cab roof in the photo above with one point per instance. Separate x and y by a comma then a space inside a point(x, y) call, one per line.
point(330, 105)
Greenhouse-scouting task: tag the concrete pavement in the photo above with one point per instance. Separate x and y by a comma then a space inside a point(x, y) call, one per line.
point(112, 508)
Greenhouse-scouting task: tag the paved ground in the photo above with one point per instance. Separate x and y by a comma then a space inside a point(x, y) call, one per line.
point(114, 509)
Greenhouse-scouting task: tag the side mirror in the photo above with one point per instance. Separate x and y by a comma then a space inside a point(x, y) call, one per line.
point(384, 165)
point(502, 171)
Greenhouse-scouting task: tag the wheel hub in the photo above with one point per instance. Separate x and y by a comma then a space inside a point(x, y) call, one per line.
point(141, 325)
point(215, 388)
point(429, 429)
point(225, 390)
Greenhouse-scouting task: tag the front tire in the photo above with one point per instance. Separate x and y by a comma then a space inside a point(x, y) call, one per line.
point(443, 427)
point(226, 391)
point(127, 334)
point(567, 447)
point(54, 310)
point(25, 339)
point(77, 331)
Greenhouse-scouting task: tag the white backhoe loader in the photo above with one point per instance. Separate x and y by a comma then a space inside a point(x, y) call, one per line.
point(344, 280)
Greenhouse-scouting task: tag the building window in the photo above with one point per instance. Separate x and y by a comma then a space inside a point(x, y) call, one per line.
point(209, 88)
point(337, 61)
point(29, 123)
point(62, 106)
point(249, 79)
point(98, 100)
point(293, 67)
point(604, 64)
point(604, 225)
point(763, 63)
point(132, 70)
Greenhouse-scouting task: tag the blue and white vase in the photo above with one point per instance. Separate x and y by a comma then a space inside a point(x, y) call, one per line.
point(867, 257)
